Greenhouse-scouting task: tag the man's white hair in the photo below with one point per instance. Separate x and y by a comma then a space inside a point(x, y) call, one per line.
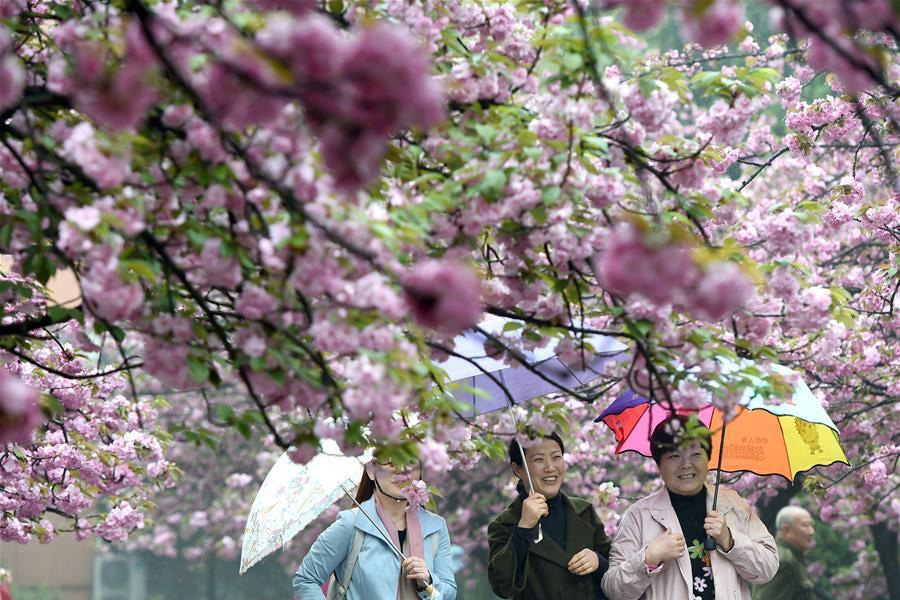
point(788, 515)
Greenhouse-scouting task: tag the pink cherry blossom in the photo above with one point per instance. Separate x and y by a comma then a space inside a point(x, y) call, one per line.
point(218, 270)
point(302, 454)
point(12, 76)
point(107, 293)
point(84, 217)
point(11, 8)
point(254, 302)
point(434, 456)
point(628, 265)
point(107, 169)
point(722, 289)
point(297, 7)
point(416, 493)
point(640, 14)
point(713, 24)
point(19, 410)
point(443, 295)
point(119, 522)
point(812, 308)
point(823, 56)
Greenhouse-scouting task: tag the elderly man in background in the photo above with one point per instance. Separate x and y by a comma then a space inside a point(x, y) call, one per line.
point(794, 538)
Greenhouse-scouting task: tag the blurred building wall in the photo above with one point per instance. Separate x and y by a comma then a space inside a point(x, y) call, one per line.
point(62, 288)
point(64, 566)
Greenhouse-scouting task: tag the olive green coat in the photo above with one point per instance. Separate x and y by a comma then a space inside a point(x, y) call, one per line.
point(547, 576)
point(791, 582)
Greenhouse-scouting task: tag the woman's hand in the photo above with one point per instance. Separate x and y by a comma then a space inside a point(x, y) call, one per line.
point(717, 529)
point(666, 546)
point(415, 569)
point(533, 509)
point(584, 562)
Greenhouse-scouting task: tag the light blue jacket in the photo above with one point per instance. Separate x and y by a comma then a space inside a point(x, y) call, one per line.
point(377, 570)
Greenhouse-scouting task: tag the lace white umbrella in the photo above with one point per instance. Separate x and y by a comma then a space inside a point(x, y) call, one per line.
point(293, 495)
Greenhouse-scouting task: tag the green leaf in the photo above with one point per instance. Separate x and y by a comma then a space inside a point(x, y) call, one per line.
point(52, 406)
point(117, 333)
point(704, 78)
point(141, 268)
point(198, 369)
point(6, 235)
point(492, 183)
point(760, 76)
point(197, 239)
point(223, 412)
point(550, 195)
point(639, 328)
point(61, 314)
point(486, 133)
point(572, 61)
point(646, 86)
point(243, 428)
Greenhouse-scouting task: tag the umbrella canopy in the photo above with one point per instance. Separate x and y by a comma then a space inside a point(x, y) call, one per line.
point(522, 383)
point(474, 361)
point(765, 438)
point(292, 495)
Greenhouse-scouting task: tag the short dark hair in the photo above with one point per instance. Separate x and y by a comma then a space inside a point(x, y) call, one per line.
point(515, 455)
point(673, 431)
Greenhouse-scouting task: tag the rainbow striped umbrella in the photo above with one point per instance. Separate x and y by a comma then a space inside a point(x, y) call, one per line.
point(765, 438)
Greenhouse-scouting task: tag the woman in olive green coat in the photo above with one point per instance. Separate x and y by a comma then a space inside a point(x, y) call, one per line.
point(570, 559)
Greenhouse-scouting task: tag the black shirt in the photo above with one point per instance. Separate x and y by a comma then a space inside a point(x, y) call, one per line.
point(691, 511)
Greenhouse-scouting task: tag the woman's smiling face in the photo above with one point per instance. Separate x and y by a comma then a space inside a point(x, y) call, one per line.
point(546, 465)
point(684, 469)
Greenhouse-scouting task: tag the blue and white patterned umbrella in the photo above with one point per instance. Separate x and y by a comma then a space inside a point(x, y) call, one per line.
point(293, 495)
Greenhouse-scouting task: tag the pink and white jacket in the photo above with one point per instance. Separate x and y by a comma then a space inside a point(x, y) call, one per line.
point(752, 559)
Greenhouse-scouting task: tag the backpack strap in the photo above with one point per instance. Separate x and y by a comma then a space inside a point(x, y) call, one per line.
point(344, 586)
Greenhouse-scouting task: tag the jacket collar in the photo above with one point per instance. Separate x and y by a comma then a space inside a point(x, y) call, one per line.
point(658, 502)
point(430, 522)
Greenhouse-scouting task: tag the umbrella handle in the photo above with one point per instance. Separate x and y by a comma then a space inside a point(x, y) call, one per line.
point(540, 534)
point(512, 413)
point(380, 529)
point(710, 544)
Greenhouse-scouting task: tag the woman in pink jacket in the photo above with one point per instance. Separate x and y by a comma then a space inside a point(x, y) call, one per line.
point(658, 551)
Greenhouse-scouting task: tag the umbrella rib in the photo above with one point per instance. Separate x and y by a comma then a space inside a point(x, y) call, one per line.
point(787, 453)
point(524, 363)
point(477, 366)
point(571, 372)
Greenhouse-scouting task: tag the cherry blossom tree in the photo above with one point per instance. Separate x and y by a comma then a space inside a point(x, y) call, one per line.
point(306, 201)
point(98, 457)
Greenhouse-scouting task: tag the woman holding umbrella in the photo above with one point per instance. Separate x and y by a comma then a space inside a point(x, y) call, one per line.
point(546, 545)
point(660, 553)
point(391, 551)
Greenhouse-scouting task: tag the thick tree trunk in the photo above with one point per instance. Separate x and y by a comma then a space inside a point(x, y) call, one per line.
point(886, 545)
point(769, 510)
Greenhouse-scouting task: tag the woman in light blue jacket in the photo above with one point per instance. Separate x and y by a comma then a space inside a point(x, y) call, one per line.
point(377, 572)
